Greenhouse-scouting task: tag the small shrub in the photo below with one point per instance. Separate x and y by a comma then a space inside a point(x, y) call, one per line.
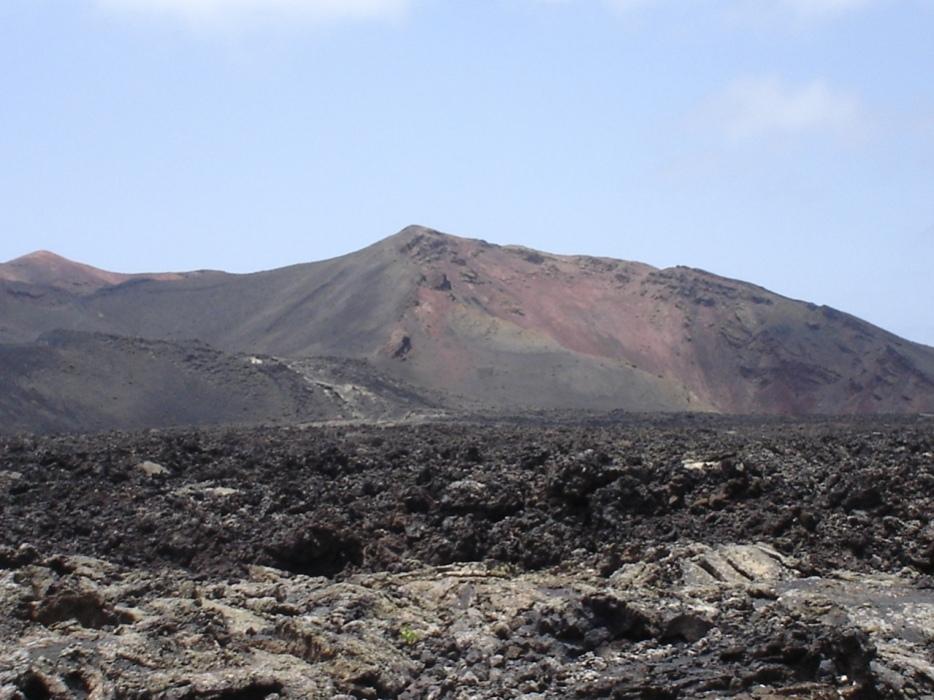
point(409, 636)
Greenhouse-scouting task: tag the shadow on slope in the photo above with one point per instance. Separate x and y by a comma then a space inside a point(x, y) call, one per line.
point(84, 382)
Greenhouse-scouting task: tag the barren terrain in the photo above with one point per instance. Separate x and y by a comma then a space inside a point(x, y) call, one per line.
point(457, 320)
point(670, 557)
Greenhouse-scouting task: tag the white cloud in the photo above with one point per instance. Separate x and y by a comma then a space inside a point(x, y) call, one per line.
point(824, 8)
point(803, 9)
point(229, 12)
point(620, 5)
point(753, 108)
point(796, 12)
point(630, 5)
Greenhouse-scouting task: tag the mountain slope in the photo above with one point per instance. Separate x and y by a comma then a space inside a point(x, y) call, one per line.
point(512, 327)
point(82, 382)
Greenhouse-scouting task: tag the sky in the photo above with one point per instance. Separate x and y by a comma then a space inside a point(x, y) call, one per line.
point(788, 143)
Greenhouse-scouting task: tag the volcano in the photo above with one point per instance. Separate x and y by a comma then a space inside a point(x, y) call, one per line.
point(500, 328)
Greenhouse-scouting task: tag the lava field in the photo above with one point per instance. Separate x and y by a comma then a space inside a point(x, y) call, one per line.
point(635, 557)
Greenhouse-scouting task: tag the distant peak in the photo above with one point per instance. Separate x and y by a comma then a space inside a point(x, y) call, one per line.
point(40, 256)
point(43, 267)
point(414, 230)
point(416, 236)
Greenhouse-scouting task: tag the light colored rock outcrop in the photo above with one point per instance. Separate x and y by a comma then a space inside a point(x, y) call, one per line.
point(692, 622)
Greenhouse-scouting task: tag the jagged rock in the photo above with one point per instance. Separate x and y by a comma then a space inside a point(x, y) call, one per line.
point(488, 562)
point(570, 631)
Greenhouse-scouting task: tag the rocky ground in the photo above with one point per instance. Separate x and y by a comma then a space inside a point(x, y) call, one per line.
point(626, 558)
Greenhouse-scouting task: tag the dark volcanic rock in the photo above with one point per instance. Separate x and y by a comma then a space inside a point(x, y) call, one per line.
point(333, 500)
point(681, 557)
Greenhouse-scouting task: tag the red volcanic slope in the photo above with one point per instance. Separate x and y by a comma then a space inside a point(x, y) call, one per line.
point(44, 268)
point(711, 343)
point(509, 327)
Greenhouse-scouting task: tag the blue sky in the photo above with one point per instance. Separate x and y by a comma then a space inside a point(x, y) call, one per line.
point(785, 142)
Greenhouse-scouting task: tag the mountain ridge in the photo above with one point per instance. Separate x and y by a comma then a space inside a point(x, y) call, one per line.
point(48, 255)
point(46, 268)
point(513, 328)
